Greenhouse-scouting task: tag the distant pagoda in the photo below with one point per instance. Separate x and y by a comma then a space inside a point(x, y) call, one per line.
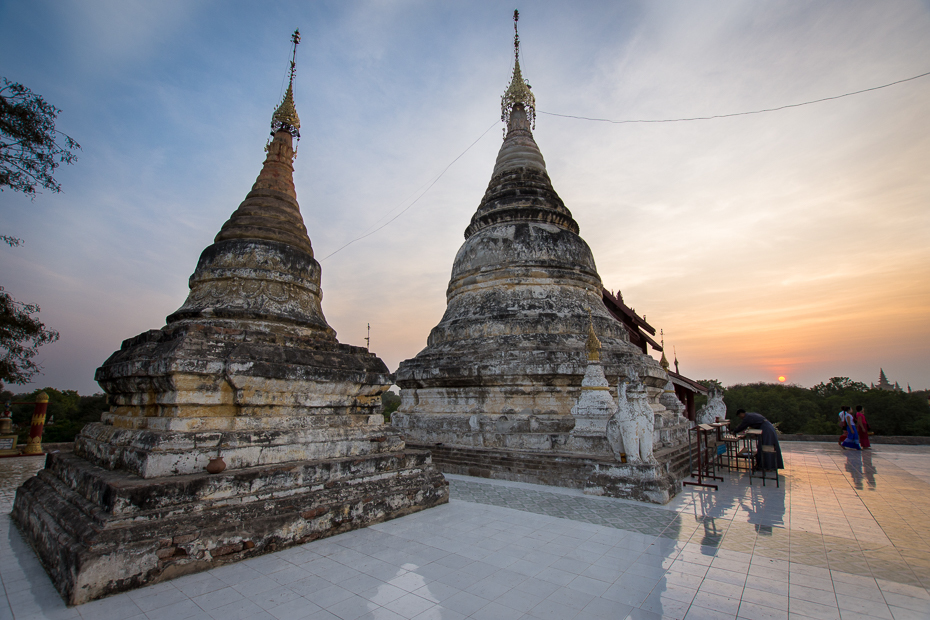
point(241, 427)
point(885, 384)
point(492, 392)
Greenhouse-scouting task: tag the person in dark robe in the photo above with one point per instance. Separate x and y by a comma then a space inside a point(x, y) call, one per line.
point(769, 438)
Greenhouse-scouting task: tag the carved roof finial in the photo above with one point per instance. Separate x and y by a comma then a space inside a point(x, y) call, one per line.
point(593, 345)
point(664, 361)
point(676, 360)
point(518, 93)
point(285, 117)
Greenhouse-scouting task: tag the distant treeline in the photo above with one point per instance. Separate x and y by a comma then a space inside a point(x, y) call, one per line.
point(67, 413)
point(813, 411)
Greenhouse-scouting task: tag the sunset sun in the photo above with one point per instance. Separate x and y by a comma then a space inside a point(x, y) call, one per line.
point(781, 379)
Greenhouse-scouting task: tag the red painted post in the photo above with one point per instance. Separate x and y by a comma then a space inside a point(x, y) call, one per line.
point(34, 445)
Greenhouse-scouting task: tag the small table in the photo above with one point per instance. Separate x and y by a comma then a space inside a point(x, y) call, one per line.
point(744, 448)
point(705, 462)
point(761, 451)
point(753, 437)
point(720, 426)
point(732, 442)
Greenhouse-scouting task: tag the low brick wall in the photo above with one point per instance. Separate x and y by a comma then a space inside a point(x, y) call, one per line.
point(596, 475)
point(876, 439)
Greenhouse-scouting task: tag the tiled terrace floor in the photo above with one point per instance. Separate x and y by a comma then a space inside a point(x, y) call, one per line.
point(846, 536)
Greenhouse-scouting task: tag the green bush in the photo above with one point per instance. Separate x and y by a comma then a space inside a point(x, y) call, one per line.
point(390, 402)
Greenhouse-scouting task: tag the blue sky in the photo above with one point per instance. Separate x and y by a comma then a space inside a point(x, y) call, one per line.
point(790, 243)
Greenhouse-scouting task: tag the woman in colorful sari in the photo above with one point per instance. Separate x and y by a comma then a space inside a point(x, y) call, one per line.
point(848, 422)
point(863, 427)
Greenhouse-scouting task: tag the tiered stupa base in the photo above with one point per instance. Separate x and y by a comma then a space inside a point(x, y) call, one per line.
point(540, 449)
point(519, 432)
point(296, 420)
point(603, 476)
point(98, 532)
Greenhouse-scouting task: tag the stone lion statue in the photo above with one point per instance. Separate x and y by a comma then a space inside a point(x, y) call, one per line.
point(714, 408)
point(630, 429)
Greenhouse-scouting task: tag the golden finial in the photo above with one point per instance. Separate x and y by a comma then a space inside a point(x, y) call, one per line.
point(676, 360)
point(593, 345)
point(518, 93)
point(285, 117)
point(664, 361)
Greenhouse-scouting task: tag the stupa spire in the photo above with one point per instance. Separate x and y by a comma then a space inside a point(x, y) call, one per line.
point(270, 211)
point(519, 93)
point(520, 189)
point(285, 116)
point(266, 232)
point(664, 361)
point(593, 344)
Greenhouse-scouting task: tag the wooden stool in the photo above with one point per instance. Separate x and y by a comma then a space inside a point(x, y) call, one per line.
point(732, 444)
point(765, 450)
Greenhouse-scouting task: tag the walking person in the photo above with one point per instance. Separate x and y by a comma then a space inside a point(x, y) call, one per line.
point(862, 426)
point(850, 438)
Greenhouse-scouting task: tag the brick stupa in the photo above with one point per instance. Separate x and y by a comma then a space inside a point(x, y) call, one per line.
point(246, 375)
point(493, 391)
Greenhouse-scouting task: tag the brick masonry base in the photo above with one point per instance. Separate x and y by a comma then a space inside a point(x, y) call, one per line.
point(98, 532)
point(595, 476)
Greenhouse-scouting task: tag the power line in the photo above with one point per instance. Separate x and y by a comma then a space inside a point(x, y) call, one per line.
point(707, 118)
point(607, 120)
point(494, 124)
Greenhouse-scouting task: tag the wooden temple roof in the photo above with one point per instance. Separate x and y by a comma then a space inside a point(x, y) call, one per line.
point(685, 382)
point(639, 330)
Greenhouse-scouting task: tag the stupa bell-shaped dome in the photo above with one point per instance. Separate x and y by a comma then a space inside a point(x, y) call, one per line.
point(261, 266)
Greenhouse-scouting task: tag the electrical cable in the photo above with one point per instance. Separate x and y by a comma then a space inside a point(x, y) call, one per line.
point(707, 118)
point(607, 120)
point(494, 124)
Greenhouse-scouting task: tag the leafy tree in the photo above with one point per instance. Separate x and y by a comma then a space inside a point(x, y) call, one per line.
point(839, 386)
point(921, 426)
point(29, 154)
point(21, 335)
point(29, 143)
point(712, 384)
point(894, 413)
point(789, 407)
point(390, 401)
